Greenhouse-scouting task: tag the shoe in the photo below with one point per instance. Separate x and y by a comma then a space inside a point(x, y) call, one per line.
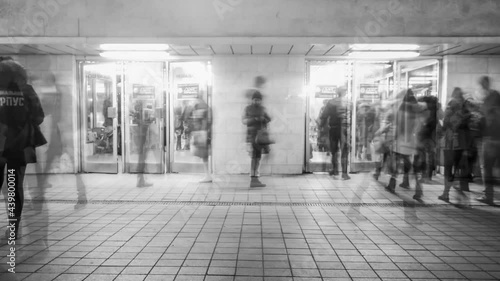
point(444, 198)
point(392, 186)
point(206, 179)
point(418, 197)
point(405, 183)
point(345, 176)
point(143, 183)
point(254, 182)
point(333, 173)
point(486, 200)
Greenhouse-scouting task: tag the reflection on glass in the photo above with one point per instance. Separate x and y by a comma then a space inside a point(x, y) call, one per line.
point(99, 148)
point(144, 103)
point(371, 84)
point(188, 80)
point(324, 80)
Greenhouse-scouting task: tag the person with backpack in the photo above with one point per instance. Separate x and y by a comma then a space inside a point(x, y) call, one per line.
point(337, 114)
point(21, 114)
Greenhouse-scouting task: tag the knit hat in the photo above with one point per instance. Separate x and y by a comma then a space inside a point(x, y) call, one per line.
point(257, 95)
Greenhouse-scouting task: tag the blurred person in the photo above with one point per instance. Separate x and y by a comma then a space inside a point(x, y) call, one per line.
point(51, 95)
point(404, 146)
point(365, 119)
point(178, 127)
point(323, 138)
point(457, 141)
point(20, 117)
point(259, 84)
point(491, 137)
point(201, 135)
point(144, 119)
point(255, 117)
point(187, 123)
point(383, 136)
point(337, 115)
point(427, 138)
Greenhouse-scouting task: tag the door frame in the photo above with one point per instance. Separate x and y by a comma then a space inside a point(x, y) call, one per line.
point(397, 87)
point(82, 122)
point(169, 111)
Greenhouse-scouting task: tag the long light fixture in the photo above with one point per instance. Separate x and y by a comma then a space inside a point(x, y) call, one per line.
point(383, 54)
point(135, 55)
point(134, 47)
point(384, 47)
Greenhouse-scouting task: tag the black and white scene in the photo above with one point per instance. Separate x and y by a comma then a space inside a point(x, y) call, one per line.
point(249, 140)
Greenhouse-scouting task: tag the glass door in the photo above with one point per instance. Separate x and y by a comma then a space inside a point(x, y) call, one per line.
point(371, 84)
point(422, 76)
point(100, 122)
point(189, 84)
point(144, 117)
point(324, 80)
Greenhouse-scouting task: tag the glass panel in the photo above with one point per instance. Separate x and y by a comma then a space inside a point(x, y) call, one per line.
point(189, 80)
point(324, 80)
point(371, 84)
point(424, 81)
point(422, 76)
point(99, 99)
point(144, 102)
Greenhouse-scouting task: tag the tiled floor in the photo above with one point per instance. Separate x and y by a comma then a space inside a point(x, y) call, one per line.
point(306, 227)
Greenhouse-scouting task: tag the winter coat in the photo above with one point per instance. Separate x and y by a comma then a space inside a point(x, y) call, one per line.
point(406, 125)
point(457, 117)
point(21, 114)
point(256, 118)
point(491, 113)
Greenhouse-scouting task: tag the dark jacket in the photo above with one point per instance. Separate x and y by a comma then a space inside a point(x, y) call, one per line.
point(21, 114)
point(337, 113)
point(491, 114)
point(457, 134)
point(256, 118)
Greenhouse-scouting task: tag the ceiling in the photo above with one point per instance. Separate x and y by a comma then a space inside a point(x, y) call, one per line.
point(247, 49)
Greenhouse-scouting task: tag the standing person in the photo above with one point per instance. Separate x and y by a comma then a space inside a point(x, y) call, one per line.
point(178, 127)
point(20, 116)
point(201, 135)
point(405, 143)
point(337, 113)
point(323, 139)
point(491, 136)
point(144, 122)
point(255, 117)
point(457, 139)
point(427, 138)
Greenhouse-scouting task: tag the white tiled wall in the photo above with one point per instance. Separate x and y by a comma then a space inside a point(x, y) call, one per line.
point(63, 68)
point(284, 101)
point(464, 72)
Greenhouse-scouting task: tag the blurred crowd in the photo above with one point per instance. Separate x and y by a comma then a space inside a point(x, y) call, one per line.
point(415, 135)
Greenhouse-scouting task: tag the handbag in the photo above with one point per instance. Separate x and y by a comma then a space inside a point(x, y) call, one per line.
point(378, 146)
point(200, 138)
point(263, 137)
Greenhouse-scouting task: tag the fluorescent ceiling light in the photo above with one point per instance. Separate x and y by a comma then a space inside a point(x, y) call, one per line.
point(384, 47)
point(135, 55)
point(134, 47)
point(383, 55)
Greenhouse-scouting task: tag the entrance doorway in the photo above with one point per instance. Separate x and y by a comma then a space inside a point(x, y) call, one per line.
point(134, 115)
point(368, 84)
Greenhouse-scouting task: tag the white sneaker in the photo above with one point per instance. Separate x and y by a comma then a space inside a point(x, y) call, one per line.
point(206, 179)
